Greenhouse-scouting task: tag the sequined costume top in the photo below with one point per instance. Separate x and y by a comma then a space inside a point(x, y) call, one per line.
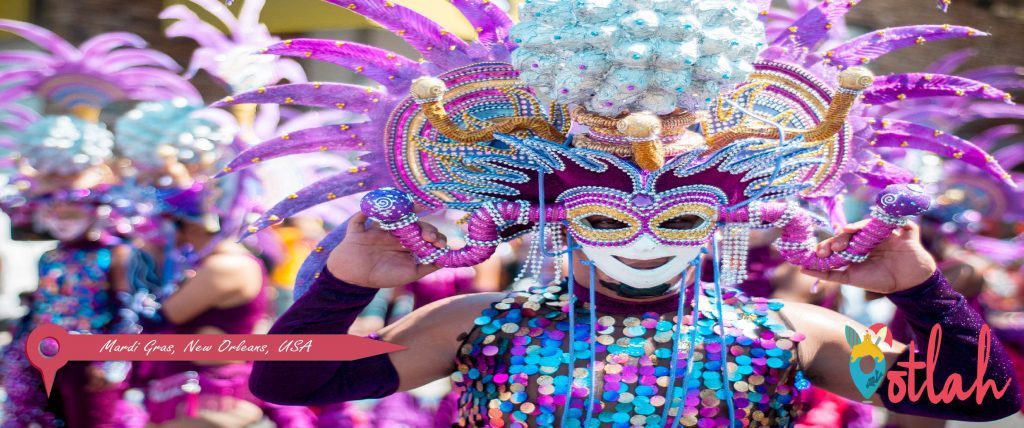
point(74, 291)
point(511, 368)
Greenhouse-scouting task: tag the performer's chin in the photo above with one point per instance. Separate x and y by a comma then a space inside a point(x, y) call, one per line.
point(626, 291)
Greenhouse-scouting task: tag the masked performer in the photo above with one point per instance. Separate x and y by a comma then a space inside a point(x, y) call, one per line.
point(217, 286)
point(88, 282)
point(222, 287)
point(635, 197)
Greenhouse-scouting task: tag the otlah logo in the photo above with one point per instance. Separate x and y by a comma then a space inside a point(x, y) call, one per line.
point(867, 362)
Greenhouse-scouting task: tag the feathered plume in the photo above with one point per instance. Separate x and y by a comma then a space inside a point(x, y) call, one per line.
point(106, 68)
point(232, 58)
point(912, 110)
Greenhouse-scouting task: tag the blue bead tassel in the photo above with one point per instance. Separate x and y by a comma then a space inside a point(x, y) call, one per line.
point(677, 334)
point(693, 344)
point(593, 342)
point(721, 332)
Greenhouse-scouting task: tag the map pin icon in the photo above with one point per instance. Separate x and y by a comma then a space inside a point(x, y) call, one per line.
point(46, 364)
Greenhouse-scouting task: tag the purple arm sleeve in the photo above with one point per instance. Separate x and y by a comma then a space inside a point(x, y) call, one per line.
point(933, 303)
point(329, 307)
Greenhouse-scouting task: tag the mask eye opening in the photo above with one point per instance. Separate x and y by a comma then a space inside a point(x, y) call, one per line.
point(683, 222)
point(600, 222)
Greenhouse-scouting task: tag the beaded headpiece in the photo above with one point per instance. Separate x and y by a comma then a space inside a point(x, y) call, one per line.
point(83, 80)
point(79, 81)
point(64, 145)
point(154, 133)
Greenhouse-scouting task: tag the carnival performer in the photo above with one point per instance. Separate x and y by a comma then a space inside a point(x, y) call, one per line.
point(637, 196)
point(89, 282)
point(218, 285)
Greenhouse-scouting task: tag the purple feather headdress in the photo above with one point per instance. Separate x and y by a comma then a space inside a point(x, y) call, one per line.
point(888, 116)
point(232, 58)
point(107, 68)
point(282, 177)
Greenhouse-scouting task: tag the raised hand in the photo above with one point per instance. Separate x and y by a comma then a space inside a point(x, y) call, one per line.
point(371, 257)
point(898, 263)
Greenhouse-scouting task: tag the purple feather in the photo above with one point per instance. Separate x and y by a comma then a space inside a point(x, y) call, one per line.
point(41, 37)
point(103, 44)
point(1006, 77)
point(995, 71)
point(316, 260)
point(876, 44)
point(1006, 252)
point(833, 207)
point(811, 28)
point(918, 137)
point(12, 76)
point(138, 80)
point(951, 62)
point(290, 71)
point(339, 96)
point(329, 189)
point(433, 42)
point(246, 35)
point(388, 68)
point(122, 60)
point(994, 111)
point(189, 25)
point(881, 175)
point(249, 17)
point(894, 87)
point(943, 5)
point(490, 21)
point(1011, 156)
point(23, 114)
point(937, 110)
point(203, 59)
point(331, 137)
point(26, 59)
point(9, 122)
point(988, 139)
point(9, 95)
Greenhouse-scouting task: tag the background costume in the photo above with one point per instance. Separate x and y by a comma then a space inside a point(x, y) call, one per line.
point(66, 164)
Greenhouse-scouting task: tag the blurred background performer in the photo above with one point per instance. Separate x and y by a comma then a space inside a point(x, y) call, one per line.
point(87, 283)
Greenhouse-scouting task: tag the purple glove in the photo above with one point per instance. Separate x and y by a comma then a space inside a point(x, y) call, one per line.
point(329, 307)
point(932, 303)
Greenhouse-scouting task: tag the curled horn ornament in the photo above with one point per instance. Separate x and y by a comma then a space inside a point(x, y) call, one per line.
point(852, 82)
point(429, 93)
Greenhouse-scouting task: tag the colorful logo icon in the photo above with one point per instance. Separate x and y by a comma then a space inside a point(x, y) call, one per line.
point(867, 362)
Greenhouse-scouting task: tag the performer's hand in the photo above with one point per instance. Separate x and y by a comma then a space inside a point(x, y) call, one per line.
point(371, 257)
point(898, 263)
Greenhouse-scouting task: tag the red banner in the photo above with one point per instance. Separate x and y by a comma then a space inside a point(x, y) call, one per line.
point(195, 347)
